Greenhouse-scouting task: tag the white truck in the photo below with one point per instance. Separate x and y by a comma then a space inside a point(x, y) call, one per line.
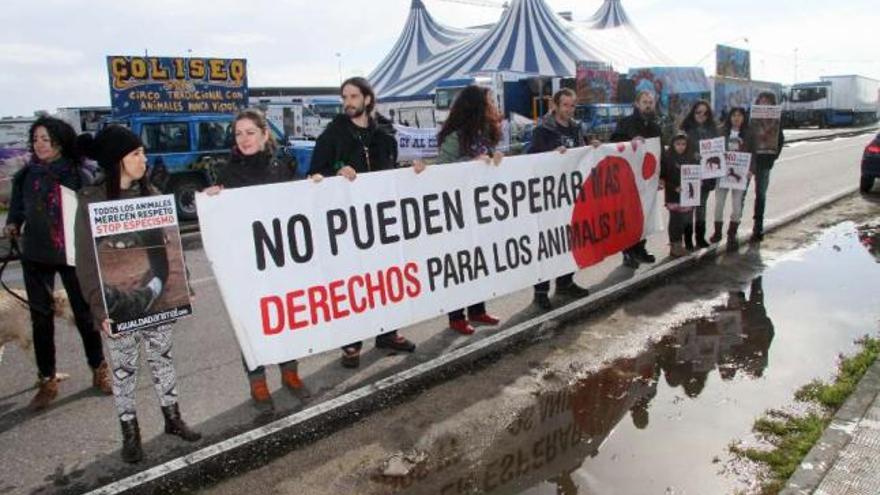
point(304, 119)
point(832, 101)
point(84, 119)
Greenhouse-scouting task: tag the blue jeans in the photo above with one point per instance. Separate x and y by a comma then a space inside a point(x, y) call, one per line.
point(762, 182)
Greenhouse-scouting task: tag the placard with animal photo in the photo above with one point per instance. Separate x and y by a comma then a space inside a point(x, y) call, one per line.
point(691, 183)
point(712, 157)
point(140, 262)
point(737, 171)
point(765, 122)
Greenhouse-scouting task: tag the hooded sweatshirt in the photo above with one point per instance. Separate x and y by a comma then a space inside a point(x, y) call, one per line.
point(549, 135)
point(364, 149)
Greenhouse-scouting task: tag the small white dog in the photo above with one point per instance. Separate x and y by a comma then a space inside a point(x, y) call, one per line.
point(15, 320)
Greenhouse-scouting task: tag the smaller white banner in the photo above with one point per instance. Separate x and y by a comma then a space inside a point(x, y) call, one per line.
point(140, 261)
point(414, 143)
point(712, 157)
point(737, 175)
point(691, 185)
point(68, 219)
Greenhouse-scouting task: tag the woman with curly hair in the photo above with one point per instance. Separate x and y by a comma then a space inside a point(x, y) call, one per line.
point(471, 132)
point(35, 218)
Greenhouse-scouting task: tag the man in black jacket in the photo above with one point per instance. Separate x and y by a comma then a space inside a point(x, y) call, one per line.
point(558, 131)
point(763, 166)
point(642, 124)
point(357, 141)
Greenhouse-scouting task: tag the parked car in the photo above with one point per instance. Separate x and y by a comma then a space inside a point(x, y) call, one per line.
point(870, 164)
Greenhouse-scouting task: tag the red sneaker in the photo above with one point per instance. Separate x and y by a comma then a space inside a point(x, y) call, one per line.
point(484, 319)
point(294, 384)
point(462, 327)
point(260, 391)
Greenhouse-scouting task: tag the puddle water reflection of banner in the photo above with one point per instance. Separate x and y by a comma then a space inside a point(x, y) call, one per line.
point(306, 267)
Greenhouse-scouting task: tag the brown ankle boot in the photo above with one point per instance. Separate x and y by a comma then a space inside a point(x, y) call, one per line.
point(101, 378)
point(48, 391)
point(174, 424)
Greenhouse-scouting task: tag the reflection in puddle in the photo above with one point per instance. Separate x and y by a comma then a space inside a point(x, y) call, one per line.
point(653, 423)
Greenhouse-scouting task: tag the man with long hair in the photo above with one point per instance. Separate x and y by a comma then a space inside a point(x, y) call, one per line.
point(358, 141)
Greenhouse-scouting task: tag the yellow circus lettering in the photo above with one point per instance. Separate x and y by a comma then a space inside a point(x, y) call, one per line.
point(236, 70)
point(179, 72)
point(138, 68)
point(196, 68)
point(218, 70)
point(158, 72)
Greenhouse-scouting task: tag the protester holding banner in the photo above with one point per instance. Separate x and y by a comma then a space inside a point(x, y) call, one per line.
point(359, 141)
point(120, 154)
point(642, 124)
point(699, 124)
point(680, 217)
point(471, 132)
point(558, 131)
point(763, 166)
point(35, 219)
point(255, 160)
point(738, 138)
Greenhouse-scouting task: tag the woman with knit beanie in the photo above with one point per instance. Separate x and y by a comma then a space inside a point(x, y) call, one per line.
point(120, 154)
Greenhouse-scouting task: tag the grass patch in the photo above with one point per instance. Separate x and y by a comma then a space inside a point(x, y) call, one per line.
point(790, 437)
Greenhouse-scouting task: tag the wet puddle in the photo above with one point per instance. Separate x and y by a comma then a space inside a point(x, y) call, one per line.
point(661, 421)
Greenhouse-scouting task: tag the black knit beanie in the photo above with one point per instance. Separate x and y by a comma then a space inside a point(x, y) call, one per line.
point(110, 145)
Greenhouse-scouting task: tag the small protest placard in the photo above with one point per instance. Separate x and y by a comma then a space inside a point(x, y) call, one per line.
point(712, 157)
point(68, 220)
point(140, 261)
point(766, 124)
point(737, 175)
point(691, 182)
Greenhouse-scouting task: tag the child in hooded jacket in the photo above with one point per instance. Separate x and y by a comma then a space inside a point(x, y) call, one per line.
point(680, 217)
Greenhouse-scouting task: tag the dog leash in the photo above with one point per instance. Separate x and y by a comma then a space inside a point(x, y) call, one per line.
point(13, 248)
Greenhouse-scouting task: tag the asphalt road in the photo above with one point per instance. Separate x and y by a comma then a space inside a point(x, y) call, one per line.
point(74, 445)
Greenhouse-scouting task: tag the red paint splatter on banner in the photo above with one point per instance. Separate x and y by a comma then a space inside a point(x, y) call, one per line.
point(649, 166)
point(621, 147)
point(610, 218)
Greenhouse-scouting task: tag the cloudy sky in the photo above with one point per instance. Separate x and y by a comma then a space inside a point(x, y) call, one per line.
point(53, 51)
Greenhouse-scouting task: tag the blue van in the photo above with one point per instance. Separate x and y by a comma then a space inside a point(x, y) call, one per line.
point(600, 119)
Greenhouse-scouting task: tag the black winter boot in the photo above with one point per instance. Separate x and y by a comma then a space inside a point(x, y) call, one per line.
point(700, 237)
point(718, 234)
point(174, 424)
point(131, 441)
point(689, 237)
point(732, 243)
point(758, 230)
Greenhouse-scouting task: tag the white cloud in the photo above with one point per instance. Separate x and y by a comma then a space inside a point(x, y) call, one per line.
point(38, 55)
point(294, 42)
point(240, 39)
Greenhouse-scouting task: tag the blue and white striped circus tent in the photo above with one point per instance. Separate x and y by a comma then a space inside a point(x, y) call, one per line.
point(529, 39)
point(613, 34)
point(421, 39)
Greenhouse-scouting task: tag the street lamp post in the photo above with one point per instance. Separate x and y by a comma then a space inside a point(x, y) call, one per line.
point(339, 65)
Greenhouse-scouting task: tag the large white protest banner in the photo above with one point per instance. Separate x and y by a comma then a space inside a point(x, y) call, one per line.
point(140, 261)
point(416, 143)
point(712, 157)
point(306, 267)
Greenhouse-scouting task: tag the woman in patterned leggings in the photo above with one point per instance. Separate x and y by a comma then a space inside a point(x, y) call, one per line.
point(120, 154)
